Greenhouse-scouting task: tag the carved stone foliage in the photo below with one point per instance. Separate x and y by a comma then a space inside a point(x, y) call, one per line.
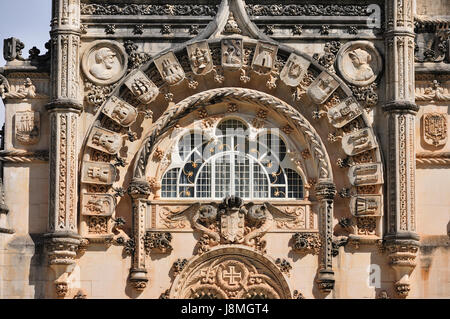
point(306, 10)
point(230, 273)
point(96, 95)
point(27, 127)
point(232, 222)
point(434, 129)
point(135, 58)
point(104, 62)
point(308, 243)
point(359, 63)
point(158, 242)
point(150, 9)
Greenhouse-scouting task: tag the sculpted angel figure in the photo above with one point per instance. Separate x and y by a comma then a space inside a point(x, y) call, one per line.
point(360, 60)
point(103, 69)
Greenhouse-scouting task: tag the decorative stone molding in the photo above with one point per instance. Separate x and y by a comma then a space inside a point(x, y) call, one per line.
point(230, 273)
point(433, 92)
point(306, 10)
point(149, 9)
point(21, 156)
point(442, 158)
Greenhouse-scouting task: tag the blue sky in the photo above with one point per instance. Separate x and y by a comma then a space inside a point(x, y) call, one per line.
point(27, 20)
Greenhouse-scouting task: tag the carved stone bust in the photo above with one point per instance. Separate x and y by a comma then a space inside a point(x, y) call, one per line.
point(359, 63)
point(104, 62)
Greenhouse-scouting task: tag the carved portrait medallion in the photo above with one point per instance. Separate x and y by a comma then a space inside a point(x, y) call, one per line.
point(170, 69)
point(322, 88)
point(232, 53)
point(294, 70)
point(98, 204)
point(200, 58)
point(27, 127)
point(264, 58)
point(359, 63)
point(105, 140)
point(434, 129)
point(142, 87)
point(120, 111)
point(358, 142)
point(344, 112)
point(98, 173)
point(104, 62)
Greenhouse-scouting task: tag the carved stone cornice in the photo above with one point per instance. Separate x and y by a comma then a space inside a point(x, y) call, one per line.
point(149, 9)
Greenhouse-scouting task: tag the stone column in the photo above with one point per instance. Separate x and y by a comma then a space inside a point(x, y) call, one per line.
point(400, 108)
point(325, 192)
point(64, 109)
point(139, 190)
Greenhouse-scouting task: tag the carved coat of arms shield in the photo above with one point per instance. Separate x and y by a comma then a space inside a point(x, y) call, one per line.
point(27, 127)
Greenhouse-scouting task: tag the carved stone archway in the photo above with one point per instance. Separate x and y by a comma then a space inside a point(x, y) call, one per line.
point(230, 273)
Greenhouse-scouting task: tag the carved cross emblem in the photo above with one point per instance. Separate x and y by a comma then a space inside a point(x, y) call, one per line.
point(232, 276)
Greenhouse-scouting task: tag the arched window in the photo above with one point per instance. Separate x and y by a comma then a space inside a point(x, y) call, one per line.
point(232, 164)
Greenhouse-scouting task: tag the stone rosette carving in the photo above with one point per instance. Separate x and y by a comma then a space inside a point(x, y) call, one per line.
point(359, 63)
point(104, 62)
point(435, 129)
point(27, 127)
point(308, 243)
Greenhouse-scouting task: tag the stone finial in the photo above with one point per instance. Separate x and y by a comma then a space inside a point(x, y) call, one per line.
point(232, 26)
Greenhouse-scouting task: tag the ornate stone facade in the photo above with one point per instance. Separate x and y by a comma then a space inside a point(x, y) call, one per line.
point(211, 167)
